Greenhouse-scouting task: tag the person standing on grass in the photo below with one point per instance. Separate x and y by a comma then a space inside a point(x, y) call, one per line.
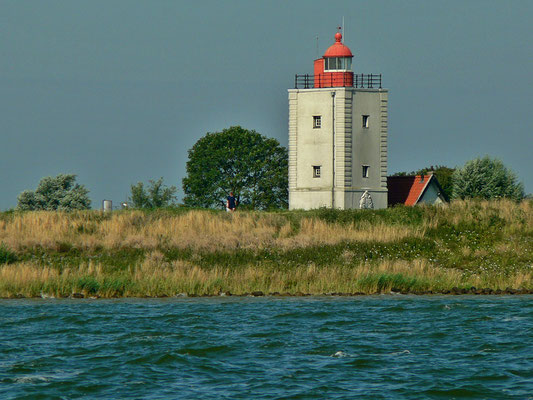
point(231, 203)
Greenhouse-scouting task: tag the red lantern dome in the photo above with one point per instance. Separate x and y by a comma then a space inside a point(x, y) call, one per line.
point(338, 49)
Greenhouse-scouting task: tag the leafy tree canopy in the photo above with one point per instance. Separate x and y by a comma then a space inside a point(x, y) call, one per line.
point(443, 174)
point(154, 196)
point(486, 178)
point(252, 166)
point(55, 193)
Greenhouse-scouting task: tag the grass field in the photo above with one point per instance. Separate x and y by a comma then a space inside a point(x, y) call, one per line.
point(170, 252)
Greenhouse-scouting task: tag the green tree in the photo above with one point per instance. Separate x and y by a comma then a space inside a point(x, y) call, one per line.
point(155, 196)
point(486, 178)
point(443, 174)
point(55, 193)
point(252, 166)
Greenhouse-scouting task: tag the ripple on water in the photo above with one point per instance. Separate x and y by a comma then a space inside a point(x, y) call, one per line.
point(204, 351)
point(229, 348)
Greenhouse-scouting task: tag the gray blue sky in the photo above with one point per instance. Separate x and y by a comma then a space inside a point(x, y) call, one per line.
point(118, 91)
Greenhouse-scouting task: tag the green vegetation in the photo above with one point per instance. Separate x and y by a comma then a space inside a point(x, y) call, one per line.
point(156, 195)
point(56, 193)
point(252, 166)
point(167, 252)
point(486, 178)
point(6, 255)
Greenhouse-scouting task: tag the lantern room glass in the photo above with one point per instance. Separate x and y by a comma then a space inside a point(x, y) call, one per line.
point(338, 63)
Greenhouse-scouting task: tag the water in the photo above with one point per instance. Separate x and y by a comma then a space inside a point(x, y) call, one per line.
point(375, 347)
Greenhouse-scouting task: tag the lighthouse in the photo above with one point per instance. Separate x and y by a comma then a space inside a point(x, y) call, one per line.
point(337, 135)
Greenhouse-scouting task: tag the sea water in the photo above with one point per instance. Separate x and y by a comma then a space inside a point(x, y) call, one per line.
point(368, 347)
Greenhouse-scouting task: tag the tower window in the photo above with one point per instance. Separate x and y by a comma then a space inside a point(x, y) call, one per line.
point(365, 171)
point(317, 121)
point(365, 120)
point(316, 171)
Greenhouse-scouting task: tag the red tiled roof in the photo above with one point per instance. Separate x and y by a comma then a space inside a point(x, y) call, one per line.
point(406, 189)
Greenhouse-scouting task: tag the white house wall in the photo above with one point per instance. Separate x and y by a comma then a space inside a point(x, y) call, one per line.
point(432, 195)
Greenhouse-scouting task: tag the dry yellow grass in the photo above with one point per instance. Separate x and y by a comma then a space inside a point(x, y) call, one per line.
point(194, 229)
point(518, 217)
point(210, 235)
point(317, 232)
point(154, 277)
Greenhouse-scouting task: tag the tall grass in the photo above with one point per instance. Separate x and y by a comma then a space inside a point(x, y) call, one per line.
point(167, 252)
point(195, 229)
point(178, 277)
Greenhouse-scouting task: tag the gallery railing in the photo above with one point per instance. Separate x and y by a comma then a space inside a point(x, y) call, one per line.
point(361, 81)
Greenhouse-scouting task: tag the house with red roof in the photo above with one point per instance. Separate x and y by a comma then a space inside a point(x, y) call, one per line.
point(412, 190)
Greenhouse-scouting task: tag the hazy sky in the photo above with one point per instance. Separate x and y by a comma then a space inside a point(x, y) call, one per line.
point(118, 91)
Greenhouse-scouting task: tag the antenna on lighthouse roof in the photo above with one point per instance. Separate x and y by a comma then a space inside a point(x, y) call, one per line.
point(343, 34)
point(316, 47)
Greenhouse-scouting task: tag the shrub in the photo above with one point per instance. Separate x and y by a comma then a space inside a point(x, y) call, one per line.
point(55, 193)
point(486, 178)
point(6, 255)
point(156, 195)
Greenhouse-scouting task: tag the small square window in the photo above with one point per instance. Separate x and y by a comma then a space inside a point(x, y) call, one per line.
point(365, 171)
point(317, 121)
point(365, 120)
point(316, 171)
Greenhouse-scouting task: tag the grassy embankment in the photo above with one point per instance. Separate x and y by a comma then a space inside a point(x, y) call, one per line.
point(170, 252)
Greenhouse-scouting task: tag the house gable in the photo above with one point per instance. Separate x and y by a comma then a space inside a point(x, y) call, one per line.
point(412, 190)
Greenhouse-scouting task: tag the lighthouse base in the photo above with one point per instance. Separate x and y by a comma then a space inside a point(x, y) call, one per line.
point(343, 199)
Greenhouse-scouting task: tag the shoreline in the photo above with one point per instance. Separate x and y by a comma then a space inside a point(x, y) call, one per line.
point(453, 292)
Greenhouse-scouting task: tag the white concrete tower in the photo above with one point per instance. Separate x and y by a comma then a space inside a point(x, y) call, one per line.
point(337, 136)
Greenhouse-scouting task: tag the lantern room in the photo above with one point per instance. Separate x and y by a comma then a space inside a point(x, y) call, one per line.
point(334, 69)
